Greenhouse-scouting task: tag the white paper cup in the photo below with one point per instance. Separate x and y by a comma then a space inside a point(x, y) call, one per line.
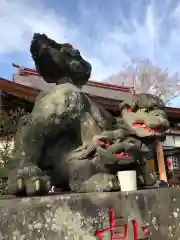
point(127, 180)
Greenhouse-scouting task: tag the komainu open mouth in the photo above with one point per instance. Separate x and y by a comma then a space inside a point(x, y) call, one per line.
point(145, 127)
point(119, 155)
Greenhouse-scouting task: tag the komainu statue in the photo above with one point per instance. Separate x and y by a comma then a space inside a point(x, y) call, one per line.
point(70, 142)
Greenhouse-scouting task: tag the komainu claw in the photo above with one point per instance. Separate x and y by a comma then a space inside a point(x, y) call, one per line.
point(20, 184)
point(37, 185)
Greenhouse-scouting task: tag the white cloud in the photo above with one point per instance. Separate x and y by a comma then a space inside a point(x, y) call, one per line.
point(21, 18)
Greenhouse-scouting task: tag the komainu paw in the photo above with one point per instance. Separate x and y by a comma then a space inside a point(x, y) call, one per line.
point(28, 181)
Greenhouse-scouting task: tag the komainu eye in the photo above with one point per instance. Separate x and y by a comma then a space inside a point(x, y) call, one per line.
point(143, 109)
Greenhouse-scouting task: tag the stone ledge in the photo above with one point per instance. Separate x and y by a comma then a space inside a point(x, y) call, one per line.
point(80, 216)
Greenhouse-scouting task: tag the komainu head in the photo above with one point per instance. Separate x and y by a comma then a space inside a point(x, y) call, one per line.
point(54, 61)
point(145, 115)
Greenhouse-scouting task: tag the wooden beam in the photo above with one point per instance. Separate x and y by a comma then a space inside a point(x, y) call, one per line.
point(161, 162)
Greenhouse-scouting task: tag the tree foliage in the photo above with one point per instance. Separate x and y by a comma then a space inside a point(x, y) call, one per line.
point(8, 127)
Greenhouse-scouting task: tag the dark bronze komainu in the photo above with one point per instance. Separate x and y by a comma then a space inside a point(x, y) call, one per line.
point(68, 140)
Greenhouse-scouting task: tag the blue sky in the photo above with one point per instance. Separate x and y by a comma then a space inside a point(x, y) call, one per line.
point(108, 33)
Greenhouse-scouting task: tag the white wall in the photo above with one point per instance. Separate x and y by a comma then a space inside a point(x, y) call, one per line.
point(38, 83)
point(172, 141)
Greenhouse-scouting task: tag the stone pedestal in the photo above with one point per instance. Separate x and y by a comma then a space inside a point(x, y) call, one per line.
point(92, 216)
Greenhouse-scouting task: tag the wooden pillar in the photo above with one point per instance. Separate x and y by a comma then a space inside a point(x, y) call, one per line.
point(161, 162)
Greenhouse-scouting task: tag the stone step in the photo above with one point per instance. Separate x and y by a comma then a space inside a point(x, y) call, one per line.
point(92, 216)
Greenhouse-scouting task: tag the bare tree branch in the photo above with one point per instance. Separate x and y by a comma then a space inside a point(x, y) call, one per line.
point(146, 77)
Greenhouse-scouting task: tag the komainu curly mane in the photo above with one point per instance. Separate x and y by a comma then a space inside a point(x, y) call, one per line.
point(54, 61)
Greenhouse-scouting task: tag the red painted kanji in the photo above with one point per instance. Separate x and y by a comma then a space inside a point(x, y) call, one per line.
point(119, 231)
point(120, 235)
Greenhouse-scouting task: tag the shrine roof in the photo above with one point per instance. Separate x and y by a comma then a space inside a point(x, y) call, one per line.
point(111, 103)
point(29, 94)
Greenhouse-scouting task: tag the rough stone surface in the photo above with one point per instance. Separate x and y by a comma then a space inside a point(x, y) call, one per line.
point(80, 216)
point(72, 143)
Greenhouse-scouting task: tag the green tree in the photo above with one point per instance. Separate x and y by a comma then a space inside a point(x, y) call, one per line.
point(8, 126)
